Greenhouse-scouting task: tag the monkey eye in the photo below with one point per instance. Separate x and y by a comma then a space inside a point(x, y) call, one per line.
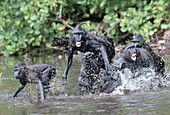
point(16, 69)
point(77, 37)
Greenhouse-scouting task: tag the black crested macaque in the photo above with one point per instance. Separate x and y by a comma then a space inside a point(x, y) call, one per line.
point(139, 54)
point(136, 56)
point(134, 59)
point(40, 74)
point(159, 64)
point(84, 42)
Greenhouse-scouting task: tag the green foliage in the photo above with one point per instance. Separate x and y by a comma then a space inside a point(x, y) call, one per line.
point(29, 24)
point(145, 19)
point(138, 17)
point(25, 25)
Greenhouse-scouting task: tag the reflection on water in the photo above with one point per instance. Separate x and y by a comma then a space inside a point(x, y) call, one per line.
point(148, 102)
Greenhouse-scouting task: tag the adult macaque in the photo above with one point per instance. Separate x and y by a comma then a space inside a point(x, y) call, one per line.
point(40, 74)
point(82, 41)
point(139, 54)
point(136, 56)
point(159, 64)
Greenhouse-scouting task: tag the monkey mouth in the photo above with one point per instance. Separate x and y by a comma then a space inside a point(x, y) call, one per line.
point(133, 57)
point(78, 44)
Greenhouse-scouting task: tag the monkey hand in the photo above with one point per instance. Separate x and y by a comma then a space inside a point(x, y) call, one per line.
point(63, 81)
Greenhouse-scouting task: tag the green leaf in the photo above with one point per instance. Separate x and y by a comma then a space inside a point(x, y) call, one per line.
point(37, 32)
point(103, 3)
point(165, 26)
point(8, 47)
point(34, 17)
point(92, 10)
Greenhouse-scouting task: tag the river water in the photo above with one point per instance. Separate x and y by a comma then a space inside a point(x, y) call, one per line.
point(155, 102)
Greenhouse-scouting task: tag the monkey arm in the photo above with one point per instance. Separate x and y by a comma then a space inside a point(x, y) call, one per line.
point(21, 86)
point(68, 65)
point(105, 57)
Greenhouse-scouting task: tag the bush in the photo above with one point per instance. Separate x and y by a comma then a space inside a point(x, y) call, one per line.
point(26, 25)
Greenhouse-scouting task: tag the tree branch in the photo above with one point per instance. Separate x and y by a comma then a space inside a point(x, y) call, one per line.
point(61, 21)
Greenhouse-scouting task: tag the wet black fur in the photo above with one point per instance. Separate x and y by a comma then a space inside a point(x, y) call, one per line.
point(33, 74)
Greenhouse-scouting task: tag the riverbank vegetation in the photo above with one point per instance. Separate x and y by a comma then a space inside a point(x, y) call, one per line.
point(28, 26)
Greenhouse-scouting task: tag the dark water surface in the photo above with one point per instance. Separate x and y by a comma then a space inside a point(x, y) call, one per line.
point(138, 103)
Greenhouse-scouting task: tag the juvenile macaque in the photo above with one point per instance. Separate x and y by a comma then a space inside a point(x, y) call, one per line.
point(40, 74)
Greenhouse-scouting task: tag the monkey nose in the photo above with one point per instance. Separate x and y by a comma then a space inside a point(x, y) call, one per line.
point(133, 57)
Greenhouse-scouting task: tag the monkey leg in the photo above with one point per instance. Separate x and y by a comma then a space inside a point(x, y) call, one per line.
point(83, 84)
point(40, 92)
point(89, 73)
point(110, 81)
point(30, 92)
point(46, 89)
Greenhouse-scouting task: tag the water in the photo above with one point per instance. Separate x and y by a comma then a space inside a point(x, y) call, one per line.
point(156, 102)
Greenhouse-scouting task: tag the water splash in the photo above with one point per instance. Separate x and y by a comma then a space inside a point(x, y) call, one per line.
point(143, 80)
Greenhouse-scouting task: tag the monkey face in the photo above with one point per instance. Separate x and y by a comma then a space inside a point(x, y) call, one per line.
point(131, 54)
point(20, 71)
point(78, 38)
point(78, 34)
